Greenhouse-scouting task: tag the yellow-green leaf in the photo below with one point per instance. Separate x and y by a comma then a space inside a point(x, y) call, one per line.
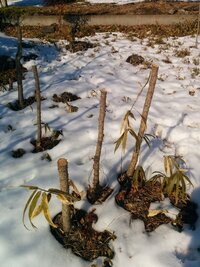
point(118, 142)
point(26, 206)
point(72, 184)
point(32, 207)
point(36, 211)
point(124, 140)
point(64, 199)
point(155, 212)
point(45, 208)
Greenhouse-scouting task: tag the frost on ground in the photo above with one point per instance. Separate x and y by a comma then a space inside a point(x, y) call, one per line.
point(173, 118)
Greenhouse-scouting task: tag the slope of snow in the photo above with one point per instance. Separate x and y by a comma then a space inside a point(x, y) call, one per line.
point(173, 118)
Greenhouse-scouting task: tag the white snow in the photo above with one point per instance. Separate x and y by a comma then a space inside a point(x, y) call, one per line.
point(173, 117)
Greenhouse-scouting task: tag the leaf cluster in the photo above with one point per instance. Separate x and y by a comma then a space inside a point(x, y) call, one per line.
point(139, 178)
point(39, 199)
point(126, 127)
point(174, 180)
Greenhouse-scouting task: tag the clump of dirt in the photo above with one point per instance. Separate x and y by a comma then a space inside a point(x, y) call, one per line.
point(18, 153)
point(65, 97)
point(137, 201)
point(99, 195)
point(135, 59)
point(79, 46)
point(83, 239)
point(47, 142)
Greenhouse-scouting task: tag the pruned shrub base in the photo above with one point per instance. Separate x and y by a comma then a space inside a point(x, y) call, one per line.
point(138, 201)
point(46, 143)
point(82, 239)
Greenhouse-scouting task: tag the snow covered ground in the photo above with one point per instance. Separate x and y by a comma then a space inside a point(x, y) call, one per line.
point(174, 119)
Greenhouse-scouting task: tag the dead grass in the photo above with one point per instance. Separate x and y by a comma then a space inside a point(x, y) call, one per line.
point(84, 8)
point(182, 52)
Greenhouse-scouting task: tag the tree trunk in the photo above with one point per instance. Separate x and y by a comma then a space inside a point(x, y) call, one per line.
point(4, 3)
point(102, 113)
point(19, 67)
point(38, 99)
point(64, 186)
point(146, 107)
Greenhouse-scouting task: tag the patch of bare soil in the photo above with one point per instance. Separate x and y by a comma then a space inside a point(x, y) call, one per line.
point(18, 153)
point(83, 239)
point(98, 195)
point(135, 59)
point(47, 142)
point(65, 97)
point(79, 46)
point(137, 201)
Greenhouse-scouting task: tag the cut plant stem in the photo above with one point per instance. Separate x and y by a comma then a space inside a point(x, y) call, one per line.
point(64, 186)
point(19, 66)
point(38, 99)
point(102, 113)
point(146, 107)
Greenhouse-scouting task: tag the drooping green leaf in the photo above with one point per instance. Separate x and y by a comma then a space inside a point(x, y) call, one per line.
point(33, 206)
point(45, 209)
point(26, 206)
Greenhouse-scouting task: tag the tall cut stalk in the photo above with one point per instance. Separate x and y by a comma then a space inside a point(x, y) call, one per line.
point(146, 107)
point(64, 186)
point(38, 99)
point(102, 113)
point(19, 66)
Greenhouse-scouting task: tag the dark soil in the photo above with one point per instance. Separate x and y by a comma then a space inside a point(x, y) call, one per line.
point(65, 97)
point(46, 143)
point(79, 46)
point(137, 202)
point(82, 239)
point(135, 59)
point(18, 153)
point(98, 195)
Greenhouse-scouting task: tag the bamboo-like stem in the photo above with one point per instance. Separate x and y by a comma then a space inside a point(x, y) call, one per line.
point(198, 26)
point(38, 100)
point(102, 112)
point(146, 107)
point(19, 66)
point(64, 186)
